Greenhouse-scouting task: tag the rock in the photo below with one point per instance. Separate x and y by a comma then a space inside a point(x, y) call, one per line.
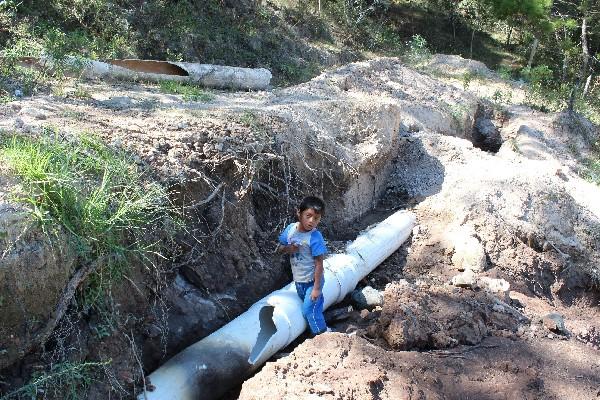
point(499, 287)
point(338, 314)
point(554, 322)
point(118, 102)
point(468, 251)
point(364, 314)
point(367, 297)
point(34, 113)
point(18, 93)
point(498, 308)
point(465, 279)
point(34, 270)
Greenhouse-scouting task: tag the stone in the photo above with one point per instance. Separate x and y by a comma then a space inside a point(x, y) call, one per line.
point(118, 102)
point(499, 287)
point(554, 322)
point(468, 251)
point(338, 314)
point(364, 314)
point(498, 308)
point(465, 279)
point(33, 113)
point(367, 297)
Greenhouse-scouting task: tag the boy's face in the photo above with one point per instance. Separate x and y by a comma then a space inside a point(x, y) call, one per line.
point(308, 219)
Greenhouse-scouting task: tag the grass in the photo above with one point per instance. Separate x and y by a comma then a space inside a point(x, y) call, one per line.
point(95, 193)
point(189, 92)
point(592, 170)
point(65, 380)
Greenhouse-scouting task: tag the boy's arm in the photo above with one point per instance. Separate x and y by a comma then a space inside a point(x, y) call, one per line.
point(283, 245)
point(287, 249)
point(316, 291)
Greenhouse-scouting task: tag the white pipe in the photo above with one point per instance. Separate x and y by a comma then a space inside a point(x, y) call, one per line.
point(209, 75)
point(208, 368)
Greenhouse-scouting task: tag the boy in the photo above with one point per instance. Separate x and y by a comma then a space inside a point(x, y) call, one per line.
point(306, 247)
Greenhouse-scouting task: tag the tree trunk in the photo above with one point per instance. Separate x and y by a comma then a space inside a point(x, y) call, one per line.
point(453, 28)
point(472, 37)
point(536, 41)
point(585, 54)
point(510, 29)
point(586, 88)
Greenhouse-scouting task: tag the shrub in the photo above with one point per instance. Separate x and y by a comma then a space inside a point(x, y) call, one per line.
point(417, 50)
point(537, 76)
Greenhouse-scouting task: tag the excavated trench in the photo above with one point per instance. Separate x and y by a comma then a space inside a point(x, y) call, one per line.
point(219, 276)
point(250, 225)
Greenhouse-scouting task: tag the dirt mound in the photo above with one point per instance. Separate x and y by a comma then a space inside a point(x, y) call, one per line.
point(456, 65)
point(336, 366)
point(435, 317)
point(535, 221)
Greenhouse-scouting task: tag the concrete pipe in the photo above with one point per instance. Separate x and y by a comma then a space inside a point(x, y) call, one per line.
point(213, 76)
point(210, 367)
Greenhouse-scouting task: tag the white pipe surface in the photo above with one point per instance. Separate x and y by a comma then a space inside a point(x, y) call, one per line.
point(209, 75)
point(208, 368)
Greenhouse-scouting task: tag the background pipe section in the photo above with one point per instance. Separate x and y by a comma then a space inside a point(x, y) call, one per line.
point(208, 368)
point(208, 75)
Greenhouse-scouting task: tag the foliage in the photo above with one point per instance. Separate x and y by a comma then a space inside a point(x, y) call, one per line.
point(97, 194)
point(417, 51)
point(65, 380)
point(538, 76)
point(592, 170)
point(505, 72)
point(190, 92)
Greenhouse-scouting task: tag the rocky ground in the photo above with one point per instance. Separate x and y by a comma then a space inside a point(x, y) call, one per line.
point(494, 296)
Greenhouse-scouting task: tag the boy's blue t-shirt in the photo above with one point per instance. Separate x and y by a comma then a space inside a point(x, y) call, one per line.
point(311, 244)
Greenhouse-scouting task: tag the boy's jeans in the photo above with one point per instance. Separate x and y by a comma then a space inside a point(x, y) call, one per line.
point(312, 310)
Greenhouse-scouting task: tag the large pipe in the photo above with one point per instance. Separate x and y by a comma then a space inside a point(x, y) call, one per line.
point(208, 368)
point(209, 75)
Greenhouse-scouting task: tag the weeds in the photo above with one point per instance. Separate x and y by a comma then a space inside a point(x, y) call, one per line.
point(591, 170)
point(65, 381)
point(188, 91)
point(417, 51)
point(95, 193)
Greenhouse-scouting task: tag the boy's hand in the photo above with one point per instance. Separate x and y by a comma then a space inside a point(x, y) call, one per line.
point(314, 295)
point(290, 248)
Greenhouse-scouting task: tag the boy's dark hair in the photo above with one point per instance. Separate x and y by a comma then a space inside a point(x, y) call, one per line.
point(312, 202)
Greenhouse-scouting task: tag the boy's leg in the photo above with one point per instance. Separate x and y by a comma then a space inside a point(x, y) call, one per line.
point(313, 312)
point(301, 288)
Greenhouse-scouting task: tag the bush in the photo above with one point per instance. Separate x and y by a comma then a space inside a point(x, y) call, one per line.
point(538, 76)
point(417, 50)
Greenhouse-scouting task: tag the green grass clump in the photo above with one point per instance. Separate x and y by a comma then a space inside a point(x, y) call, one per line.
point(592, 170)
point(64, 380)
point(189, 92)
point(97, 194)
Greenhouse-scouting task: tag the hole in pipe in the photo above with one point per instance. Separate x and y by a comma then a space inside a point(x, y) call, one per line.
point(267, 330)
point(150, 66)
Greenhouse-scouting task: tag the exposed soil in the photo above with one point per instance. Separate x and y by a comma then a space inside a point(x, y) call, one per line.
point(497, 196)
